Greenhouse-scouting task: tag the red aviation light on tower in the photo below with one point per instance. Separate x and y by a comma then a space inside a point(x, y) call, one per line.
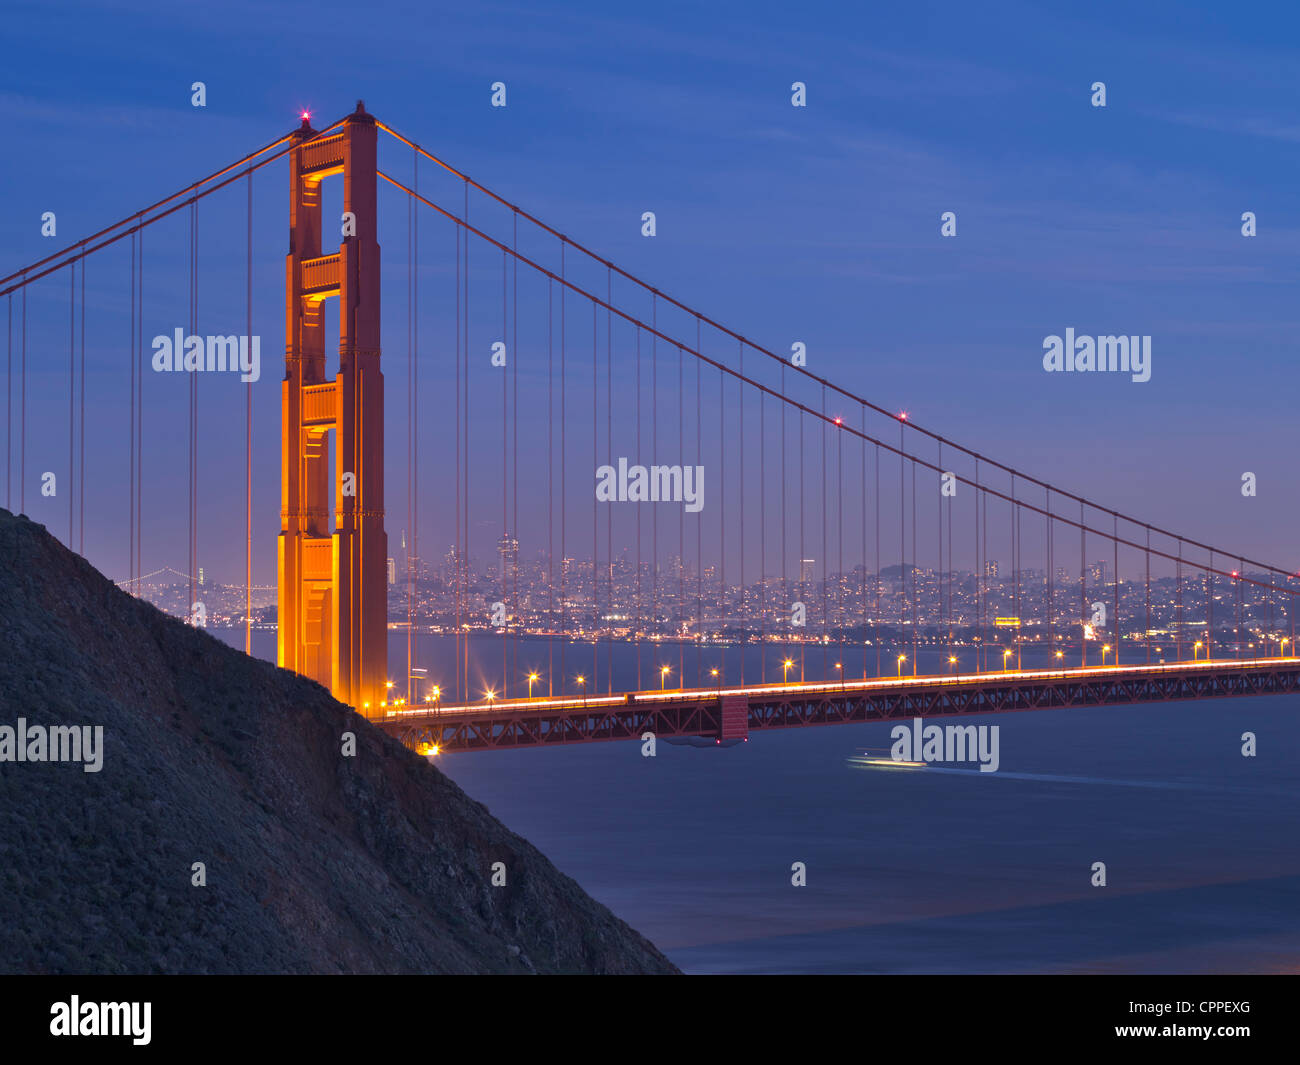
point(902, 415)
point(305, 116)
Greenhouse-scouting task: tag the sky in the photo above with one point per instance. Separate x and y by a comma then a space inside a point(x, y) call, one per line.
point(818, 224)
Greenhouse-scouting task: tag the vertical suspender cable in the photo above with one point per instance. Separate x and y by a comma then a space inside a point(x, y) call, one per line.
point(743, 620)
point(412, 629)
point(550, 486)
point(654, 451)
point(609, 459)
point(22, 405)
point(681, 527)
point(1148, 605)
point(1015, 565)
point(876, 609)
point(1083, 590)
point(465, 561)
point(744, 631)
point(248, 432)
point(699, 524)
point(902, 523)
point(722, 536)
point(505, 482)
point(915, 591)
point(1209, 606)
point(81, 485)
point(455, 562)
point(762, 536)
point(839, 544)
point(863, 582)
point(410, 429)
point(514, 433)
point(1178, 571)
point(943, 601)
point(72, 390)
point(595, 519)
point(825, 551)
point(194, 405)
point(1119, 637)
point(979, 580)
point(1051, 578)
point(637, 636)
point(131, 433)
point(564, 476)
point(139, 417)
point(9, 409)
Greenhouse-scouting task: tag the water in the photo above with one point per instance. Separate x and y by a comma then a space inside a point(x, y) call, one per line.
point(933, 870)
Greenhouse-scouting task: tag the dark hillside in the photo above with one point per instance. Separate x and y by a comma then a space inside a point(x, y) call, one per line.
point(315, 862)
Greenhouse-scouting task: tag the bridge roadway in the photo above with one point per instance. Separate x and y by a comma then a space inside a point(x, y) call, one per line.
point(729, 714)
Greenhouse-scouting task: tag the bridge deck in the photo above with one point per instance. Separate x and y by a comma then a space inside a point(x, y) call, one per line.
point(713, 712)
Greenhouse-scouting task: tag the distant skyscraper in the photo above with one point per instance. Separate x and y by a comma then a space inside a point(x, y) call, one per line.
point(508, 549)
point(990, 568)
point(392, 571)
point(807, 570)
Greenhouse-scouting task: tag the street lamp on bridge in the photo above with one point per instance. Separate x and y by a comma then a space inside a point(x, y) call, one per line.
point(786, 666)
point(901, 660)
point(663, 675)
point(532, 679)
point(582, 683)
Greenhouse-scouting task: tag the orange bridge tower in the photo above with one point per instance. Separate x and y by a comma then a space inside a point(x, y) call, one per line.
point(332, 560)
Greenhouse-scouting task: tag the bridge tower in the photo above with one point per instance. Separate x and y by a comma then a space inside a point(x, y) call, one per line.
point(332, 560)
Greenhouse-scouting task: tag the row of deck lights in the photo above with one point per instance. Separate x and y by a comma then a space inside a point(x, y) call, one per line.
point(788, 664)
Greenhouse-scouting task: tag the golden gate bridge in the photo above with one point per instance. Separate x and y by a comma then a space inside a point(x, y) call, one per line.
point(792, 463)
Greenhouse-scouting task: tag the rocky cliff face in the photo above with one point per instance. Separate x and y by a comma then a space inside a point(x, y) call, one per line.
point(315, 862)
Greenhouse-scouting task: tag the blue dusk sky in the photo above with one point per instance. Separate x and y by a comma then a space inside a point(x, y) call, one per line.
point(818, 224)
